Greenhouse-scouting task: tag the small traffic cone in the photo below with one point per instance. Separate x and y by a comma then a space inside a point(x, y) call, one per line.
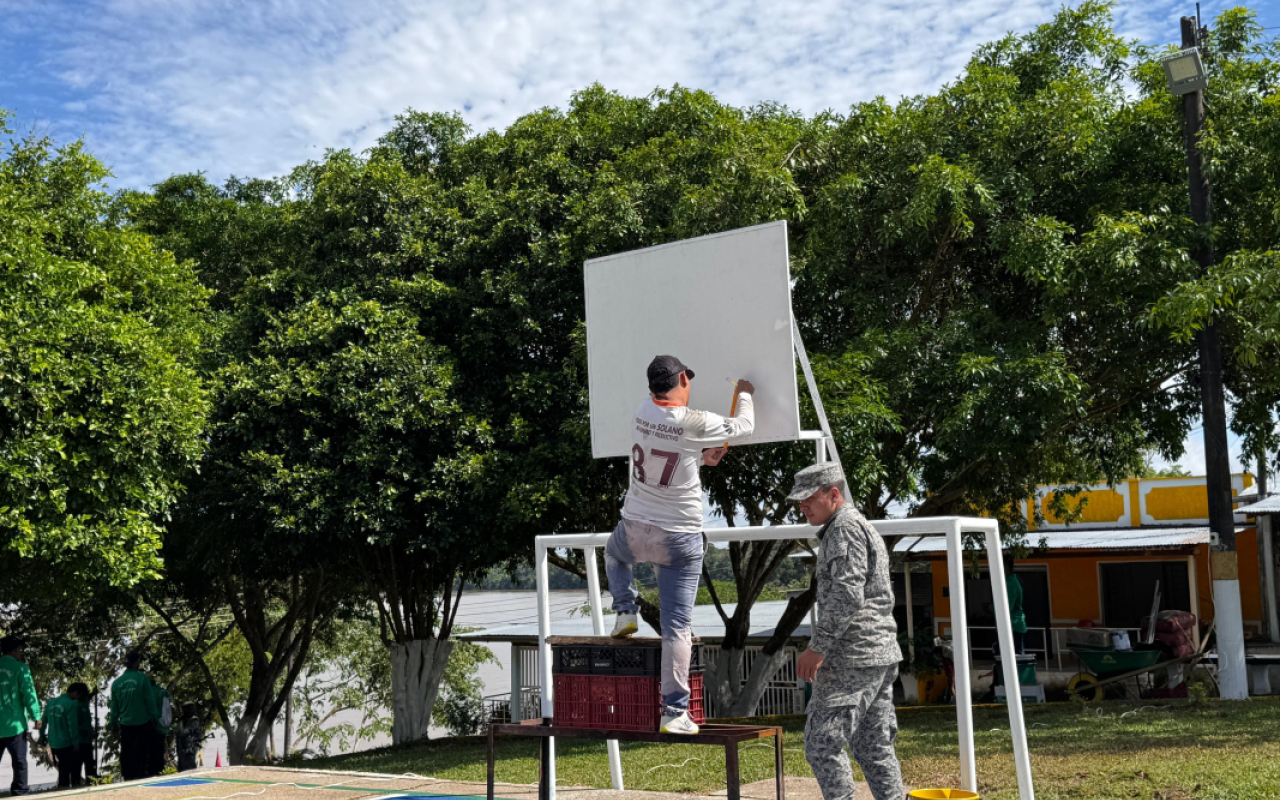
point(217, 758)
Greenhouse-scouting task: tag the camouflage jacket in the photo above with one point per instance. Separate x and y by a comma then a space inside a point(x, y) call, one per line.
point(855, 599)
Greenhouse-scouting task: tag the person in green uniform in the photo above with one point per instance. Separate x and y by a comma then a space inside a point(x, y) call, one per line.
point(1017, 621)
point(61, 729)
point(1017, 617)
point(19, 706)
point(133, 709)
point(164, 724)
point(88, 733)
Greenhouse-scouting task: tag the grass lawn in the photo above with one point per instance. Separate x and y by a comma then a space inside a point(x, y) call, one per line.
point(1165, 751)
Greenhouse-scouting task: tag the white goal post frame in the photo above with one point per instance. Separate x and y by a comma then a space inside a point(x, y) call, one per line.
point(953, 528)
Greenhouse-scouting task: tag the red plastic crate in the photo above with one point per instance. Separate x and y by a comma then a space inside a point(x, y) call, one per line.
point(618, 702)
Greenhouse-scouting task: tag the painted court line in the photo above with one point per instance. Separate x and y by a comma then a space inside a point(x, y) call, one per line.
point(181, 782)
point(389, 794)
point(386, 794)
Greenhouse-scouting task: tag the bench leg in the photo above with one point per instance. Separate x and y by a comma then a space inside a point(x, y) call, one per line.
point(731, 770)
point(544, 768)
point(778, 766)
point(490, 793)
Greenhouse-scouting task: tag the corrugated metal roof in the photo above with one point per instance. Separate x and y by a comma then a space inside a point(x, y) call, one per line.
point(1108, 539)
point(1269, 506)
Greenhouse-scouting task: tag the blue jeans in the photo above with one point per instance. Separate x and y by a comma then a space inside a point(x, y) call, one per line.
point(16, 747)
point(678, 558)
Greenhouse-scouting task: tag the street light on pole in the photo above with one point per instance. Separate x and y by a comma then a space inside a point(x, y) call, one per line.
point(1187, 78)
point(1185, 72)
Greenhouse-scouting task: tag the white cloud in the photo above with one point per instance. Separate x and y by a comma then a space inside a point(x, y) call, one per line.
point(1192, 458)
point(254, 88)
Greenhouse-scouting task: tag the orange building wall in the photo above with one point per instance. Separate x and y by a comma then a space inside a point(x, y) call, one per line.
point(1074, 593)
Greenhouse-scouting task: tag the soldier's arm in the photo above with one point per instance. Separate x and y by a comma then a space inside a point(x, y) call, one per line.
point(841, 594)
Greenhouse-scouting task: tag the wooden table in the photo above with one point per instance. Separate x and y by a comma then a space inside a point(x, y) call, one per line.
point(726, 736)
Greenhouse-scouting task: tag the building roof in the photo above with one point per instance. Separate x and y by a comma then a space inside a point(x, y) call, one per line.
point(1271, 505)
point(706, 624)
point(1105, 539)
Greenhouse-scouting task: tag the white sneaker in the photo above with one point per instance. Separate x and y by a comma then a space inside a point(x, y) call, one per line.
point(678, 723)
point(625, 627)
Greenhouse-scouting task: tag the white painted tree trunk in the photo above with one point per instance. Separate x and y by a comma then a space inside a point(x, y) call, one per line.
point(417, 666)
point(1233, 677)
point(734, 696)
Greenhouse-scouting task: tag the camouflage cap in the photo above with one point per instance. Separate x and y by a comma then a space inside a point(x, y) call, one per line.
point(811, 479)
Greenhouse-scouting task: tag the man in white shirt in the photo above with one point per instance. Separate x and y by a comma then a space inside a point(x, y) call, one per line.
point(662, 518)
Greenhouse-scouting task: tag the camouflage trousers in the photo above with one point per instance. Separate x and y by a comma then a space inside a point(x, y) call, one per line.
point(853, 707)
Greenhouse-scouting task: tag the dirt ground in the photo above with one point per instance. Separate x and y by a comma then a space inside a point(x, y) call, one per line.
point(275, 783)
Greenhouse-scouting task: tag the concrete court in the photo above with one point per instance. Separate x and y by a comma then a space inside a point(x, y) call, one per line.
point(277, 783)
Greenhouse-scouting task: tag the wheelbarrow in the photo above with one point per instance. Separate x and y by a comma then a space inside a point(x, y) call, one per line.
point(1108, 667)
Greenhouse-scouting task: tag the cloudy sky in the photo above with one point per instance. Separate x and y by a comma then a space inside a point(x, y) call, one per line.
point(252, 88)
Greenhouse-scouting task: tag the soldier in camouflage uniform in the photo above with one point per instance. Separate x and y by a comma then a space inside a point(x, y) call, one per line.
point(853, 654)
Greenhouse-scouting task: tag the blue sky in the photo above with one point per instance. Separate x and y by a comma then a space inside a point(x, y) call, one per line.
point(157, 87)
point(253, 88)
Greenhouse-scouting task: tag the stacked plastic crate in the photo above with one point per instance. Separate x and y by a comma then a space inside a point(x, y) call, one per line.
point(616, 686)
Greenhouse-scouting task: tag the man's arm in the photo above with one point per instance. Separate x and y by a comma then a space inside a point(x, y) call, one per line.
point(29, 698)
point(149, 697)
point(843, 596)
point(715, 429)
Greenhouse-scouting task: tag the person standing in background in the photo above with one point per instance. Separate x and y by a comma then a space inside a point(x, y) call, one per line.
point(88, 733)
point(1017, 622)
point(164, 724)
point(190, 738)
point(133, 709)
point(61, 729)
point(19, 708)
point(1017, 617)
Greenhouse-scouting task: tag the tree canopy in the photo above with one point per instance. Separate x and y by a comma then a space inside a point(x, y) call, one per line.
point(101, 407)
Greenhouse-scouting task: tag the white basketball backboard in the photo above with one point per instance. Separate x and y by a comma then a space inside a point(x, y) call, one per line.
point(721, 303)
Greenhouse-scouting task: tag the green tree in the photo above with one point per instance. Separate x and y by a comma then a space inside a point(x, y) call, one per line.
point(101, 408)
point(231, 548)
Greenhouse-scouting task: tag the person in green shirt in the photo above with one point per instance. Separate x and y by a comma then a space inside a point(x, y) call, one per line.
point(19, 706)
point(1017, 621)
point(88, 734)
point(1017, 617)
point(133, 709)
point(61, 729)
point(164, 724)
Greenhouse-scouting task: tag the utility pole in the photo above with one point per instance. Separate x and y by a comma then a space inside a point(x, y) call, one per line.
point(1224, 568)
point(1266, 554)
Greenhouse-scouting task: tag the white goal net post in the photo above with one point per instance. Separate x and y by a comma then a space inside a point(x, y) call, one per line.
point(954, 529)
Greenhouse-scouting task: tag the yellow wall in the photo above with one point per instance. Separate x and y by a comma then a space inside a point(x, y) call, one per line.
point(1134, 502)
point(1105, 505)
point(1073, 583)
